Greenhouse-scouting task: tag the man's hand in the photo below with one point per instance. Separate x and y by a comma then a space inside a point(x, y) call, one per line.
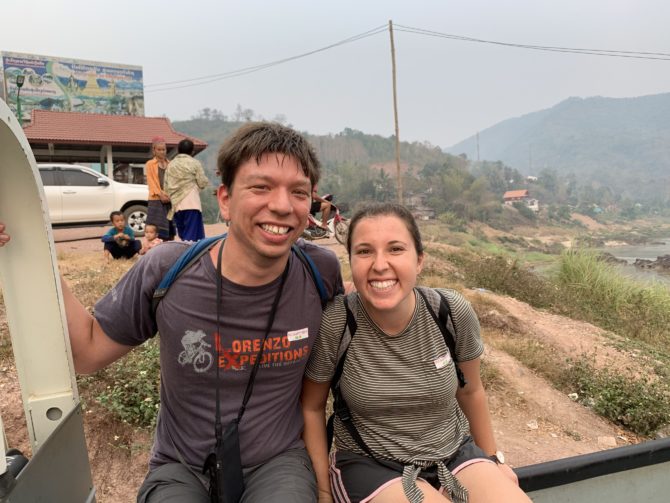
point(164, 197)
point(4, 237)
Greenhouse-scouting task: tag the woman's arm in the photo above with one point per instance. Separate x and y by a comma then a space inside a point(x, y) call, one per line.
point(314, 396)
point(473, 402)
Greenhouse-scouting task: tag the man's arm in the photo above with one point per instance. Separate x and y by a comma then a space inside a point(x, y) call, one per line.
point(200, 178)
point(92, 349)
point(317, 197)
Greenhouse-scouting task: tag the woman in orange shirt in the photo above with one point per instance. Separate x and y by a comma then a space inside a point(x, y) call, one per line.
point(159, 201)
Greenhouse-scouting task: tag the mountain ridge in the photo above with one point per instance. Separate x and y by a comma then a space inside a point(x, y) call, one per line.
point(623, 143)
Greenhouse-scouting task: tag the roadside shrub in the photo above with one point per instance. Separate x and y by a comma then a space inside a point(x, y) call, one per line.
point(130, 387)
point(503, 274)
point(638, 404)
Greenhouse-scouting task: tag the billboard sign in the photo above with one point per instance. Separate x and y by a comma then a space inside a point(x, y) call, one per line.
point(70, 85)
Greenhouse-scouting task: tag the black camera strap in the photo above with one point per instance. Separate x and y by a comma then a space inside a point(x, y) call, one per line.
point(218, 428)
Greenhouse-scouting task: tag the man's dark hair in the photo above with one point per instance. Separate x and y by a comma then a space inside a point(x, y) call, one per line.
point(185, 147)
point(115, 214)
point(255, 139)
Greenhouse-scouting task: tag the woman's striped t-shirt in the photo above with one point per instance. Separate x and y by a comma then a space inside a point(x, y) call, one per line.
point(401, 389)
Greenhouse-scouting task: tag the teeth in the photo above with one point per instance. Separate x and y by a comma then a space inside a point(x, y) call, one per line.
point(274, 229)
point(381, 285)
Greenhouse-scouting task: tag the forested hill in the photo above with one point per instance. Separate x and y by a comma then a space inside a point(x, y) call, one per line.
point(356, 166)
point(620, 142)
point(348, 147)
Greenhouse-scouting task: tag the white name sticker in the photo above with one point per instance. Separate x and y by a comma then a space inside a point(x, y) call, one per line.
point(297, 335)
point(442, 361)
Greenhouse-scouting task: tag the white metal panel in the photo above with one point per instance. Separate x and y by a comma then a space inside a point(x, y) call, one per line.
point(31, 288)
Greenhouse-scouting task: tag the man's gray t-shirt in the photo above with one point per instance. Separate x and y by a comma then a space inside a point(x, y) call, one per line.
point(186, 321)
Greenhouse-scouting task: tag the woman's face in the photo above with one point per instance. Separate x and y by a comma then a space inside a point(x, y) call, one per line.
point(160, 150)
point(384, 264)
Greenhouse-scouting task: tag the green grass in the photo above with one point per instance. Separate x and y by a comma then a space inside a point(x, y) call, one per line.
point(597, 292)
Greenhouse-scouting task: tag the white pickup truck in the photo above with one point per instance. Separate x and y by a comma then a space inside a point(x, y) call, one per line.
point(77, 195)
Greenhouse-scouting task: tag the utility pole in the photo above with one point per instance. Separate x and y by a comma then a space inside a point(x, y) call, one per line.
point(395, 115)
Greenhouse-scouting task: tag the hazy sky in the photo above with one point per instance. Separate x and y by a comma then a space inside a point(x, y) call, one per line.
point(447, 89)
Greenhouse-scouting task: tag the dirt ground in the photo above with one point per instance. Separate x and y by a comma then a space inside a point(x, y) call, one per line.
point(533, 422)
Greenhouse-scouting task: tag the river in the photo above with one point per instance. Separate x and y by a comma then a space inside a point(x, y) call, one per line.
point(650, 252)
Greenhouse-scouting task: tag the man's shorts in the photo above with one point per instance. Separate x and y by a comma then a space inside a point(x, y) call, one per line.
point(356, 478)
point(315, 208)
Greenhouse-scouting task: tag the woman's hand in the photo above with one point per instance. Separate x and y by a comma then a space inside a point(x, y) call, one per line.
point(325, 497)
point(509, 473)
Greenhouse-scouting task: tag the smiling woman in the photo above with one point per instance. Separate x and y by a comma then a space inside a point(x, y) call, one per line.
point(407, 375)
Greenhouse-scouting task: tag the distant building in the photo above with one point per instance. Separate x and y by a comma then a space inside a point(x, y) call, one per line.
point(513, 196)
point(417, 205)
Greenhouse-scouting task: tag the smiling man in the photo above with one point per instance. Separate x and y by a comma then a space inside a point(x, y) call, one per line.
point(237, 328)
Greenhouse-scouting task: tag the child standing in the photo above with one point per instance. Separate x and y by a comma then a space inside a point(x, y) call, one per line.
point(120, 239)
point(151, 238)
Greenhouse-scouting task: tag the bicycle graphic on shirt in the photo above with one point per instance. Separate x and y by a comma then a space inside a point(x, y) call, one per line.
point(195, 351)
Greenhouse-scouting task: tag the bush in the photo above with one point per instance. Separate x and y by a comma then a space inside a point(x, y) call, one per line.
point(639, 404)
point(525, 211)
point(506, 275)
point(132, 386)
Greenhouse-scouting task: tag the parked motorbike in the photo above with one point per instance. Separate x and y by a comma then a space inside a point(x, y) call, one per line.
point(338, 225)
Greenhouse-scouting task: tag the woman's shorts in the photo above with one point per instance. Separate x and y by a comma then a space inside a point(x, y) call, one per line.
point(356, 478)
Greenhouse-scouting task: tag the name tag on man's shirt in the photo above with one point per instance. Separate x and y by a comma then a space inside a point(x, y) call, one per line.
point(297, 335)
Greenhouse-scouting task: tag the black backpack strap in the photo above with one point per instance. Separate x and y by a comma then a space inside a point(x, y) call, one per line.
point(314, 273)
point(442, 321)
point(348, 333)
point(340, 407)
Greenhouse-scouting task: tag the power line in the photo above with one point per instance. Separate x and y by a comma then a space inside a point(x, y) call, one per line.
point(207, 79)
point(595, 52)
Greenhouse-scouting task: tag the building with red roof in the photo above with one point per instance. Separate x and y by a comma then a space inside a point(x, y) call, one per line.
point(107, 139)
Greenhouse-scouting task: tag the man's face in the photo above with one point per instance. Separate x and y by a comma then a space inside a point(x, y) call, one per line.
point(267, 206)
